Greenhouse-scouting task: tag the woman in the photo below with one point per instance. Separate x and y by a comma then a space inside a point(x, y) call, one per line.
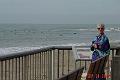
point(100, 45)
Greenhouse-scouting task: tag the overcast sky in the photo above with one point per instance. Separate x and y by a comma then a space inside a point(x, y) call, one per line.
point(60, 11)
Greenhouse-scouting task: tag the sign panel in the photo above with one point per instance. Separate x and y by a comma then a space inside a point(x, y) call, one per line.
point(82, 52)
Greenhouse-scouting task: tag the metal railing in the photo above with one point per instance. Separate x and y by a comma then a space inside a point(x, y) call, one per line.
point(44, 64)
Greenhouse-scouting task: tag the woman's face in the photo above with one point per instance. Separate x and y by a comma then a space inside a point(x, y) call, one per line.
point(100, 30)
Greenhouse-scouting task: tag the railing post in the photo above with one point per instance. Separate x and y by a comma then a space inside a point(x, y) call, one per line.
point(68, 61)
point(113, 54)
point(115, 68)
point(117, 51)
point(63, 63)
point(25, 68)
point(51, 67)
point(58, 64)
point(1, 66)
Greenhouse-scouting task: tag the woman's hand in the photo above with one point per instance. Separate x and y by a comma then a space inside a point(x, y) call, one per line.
point(95, 45)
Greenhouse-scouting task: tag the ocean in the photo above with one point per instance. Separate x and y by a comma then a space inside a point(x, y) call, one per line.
point(21, 37)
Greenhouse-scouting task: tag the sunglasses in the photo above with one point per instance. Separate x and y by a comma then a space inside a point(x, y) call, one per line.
point(100, 28)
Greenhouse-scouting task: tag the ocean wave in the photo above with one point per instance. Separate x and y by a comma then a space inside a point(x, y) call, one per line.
point(74, 44)
point(10, 50)
point(82, 29)
point(87, 29)
point(110, 29)
point(115, 29)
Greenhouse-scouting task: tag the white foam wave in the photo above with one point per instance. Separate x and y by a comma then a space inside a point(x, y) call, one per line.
point(10, 50)
point(83, 29)
point(107, 30)
point(93, 29)
point(88, 29)
point(114, 29)
point(74, 44)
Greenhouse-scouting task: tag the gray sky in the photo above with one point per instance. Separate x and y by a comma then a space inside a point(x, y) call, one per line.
point(60, 11)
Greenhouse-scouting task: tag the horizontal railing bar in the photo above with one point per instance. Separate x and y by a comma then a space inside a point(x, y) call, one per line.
point(25, 53)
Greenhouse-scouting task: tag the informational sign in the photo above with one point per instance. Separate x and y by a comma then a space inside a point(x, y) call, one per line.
point(82, 52)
